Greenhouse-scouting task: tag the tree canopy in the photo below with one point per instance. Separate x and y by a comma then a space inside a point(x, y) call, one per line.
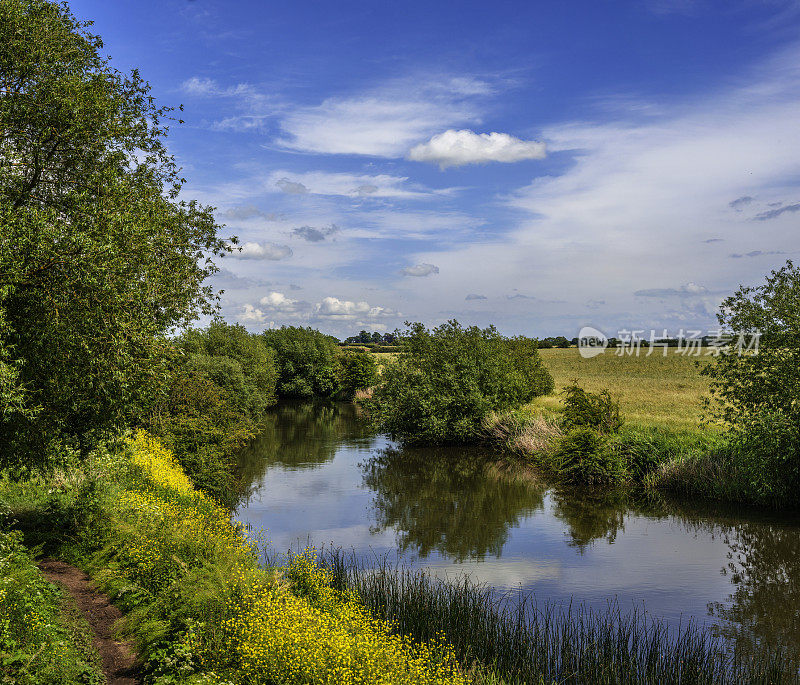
point(445, 381)
point(99, 257)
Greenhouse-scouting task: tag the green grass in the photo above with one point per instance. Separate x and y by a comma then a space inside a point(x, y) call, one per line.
point(656, 391)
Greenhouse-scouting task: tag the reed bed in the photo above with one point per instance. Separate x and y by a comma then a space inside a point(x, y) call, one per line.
point(521, 640)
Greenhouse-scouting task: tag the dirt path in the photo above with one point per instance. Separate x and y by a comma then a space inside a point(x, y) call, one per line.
point(118, 659)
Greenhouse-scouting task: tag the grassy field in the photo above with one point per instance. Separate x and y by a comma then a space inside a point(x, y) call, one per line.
point(654, 391)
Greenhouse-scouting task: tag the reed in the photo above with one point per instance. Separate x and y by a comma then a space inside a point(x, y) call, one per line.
point(521, 640)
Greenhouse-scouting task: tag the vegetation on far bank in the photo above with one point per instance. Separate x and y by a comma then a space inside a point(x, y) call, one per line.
point(445, 381)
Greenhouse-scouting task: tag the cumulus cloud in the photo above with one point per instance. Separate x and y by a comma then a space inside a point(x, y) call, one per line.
point(291, 187)
point(457, 148)
point(421, 270)
point(688, 290)
point(279, 302)
point(475, 296)
point(252, 314)
point(773, 213)
point(271, 251)
point(333, 307)
point(315, 235)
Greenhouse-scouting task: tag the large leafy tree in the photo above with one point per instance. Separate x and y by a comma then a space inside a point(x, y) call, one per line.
point(445, 382)
point(99, 257)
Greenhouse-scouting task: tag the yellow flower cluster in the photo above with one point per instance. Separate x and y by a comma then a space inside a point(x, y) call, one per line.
point(321, 637)
point(166, 537)
point(297, 631)
point(158, 464)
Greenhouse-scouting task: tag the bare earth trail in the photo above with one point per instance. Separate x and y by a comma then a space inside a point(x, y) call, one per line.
point(117, 658)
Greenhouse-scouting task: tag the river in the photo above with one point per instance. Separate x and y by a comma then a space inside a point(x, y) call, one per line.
point(316, 475)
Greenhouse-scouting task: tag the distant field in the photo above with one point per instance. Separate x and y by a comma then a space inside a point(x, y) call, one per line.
point(654, 390)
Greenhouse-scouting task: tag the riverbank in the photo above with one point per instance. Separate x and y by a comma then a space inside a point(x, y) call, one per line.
point(663, 445)
point(197, 604)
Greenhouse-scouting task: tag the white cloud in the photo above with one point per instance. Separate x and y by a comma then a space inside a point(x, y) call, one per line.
point(279, 302)
point(271, 251)
point(251, 314)
point(421, 270)
point(457, 148)
point(384, 122)
point(334, 307)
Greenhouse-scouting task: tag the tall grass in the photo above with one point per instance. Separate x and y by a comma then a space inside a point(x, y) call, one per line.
point(523, 641)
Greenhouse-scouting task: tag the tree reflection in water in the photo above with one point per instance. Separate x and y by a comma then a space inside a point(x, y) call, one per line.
point(298, 435)
point(764, 567)
point(590, 515)
point(444, 500)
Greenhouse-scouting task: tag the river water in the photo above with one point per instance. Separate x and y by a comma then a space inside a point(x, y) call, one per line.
point(316, 476)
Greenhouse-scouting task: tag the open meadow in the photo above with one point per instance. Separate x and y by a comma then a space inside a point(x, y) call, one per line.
point(655, 390)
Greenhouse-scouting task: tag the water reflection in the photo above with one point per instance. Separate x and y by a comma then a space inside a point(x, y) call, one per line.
point(316, 473)
point(442, 500)
point(298, 435)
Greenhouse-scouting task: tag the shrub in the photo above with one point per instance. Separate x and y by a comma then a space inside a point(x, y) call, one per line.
point(594, 410)
point(583, 457)
point(359, 372)
point(766, 446)
point(446, 381)
point(308, 362)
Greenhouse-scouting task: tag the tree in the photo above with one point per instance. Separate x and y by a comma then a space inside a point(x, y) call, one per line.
point(308, 362)
point(239, 362)
point(756, 392)
point(99, 260)
point(445, 382)
point(359, 371)
point(743, 383)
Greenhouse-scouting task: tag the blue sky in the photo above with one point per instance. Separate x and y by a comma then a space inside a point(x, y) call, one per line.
point(539, 166)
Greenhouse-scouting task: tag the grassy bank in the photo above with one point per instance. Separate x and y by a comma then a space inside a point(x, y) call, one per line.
point(197, 603)
point(661, 445)
point(43, 638)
